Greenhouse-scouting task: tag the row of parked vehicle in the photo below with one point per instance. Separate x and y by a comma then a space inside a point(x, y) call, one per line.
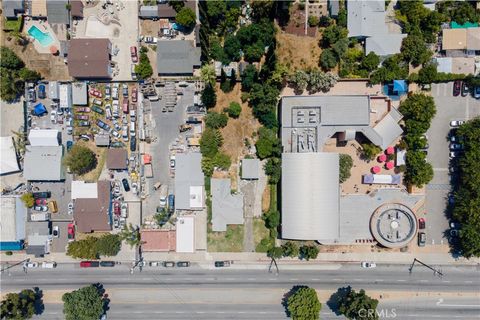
point(461, 88)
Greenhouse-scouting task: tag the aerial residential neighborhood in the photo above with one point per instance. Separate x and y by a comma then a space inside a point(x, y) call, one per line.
point(240, 159)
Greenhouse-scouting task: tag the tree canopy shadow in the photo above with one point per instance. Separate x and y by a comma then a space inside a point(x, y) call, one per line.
point(334, 301)
point(39, 306)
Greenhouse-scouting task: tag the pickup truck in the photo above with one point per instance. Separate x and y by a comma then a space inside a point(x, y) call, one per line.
point(148, 170)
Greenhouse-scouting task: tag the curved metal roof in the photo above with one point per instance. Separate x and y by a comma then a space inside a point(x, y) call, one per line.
point(310, 196)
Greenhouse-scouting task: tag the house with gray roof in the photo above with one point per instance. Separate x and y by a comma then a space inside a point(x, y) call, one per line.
point(13, 216)
point(148, 12)
point(43, 163)
point(366, 21)
point(177, 57)
point(38, 238)
point(333, 8)
point(250, 169)
point(189, 181)
point(227, 208)
point(12, 8)
point(57, 12)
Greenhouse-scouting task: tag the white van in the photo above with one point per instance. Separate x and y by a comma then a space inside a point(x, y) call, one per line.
point(132, 115)
point(132, 129)
point(40, 216)
point(49, 264)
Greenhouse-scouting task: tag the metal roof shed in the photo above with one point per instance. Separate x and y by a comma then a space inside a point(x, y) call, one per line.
point(310, 196)
point(43, 163)
point(9, 162)
point(79, 93)
point(53, 90)
point(250, 169)
point(44, 138)
point(185, 234)
point(14, 215)
point(65, 90)
point(148, 12)
point(227, 208)
point(188, 175)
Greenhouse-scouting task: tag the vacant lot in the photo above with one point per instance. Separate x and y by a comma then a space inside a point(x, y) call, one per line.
point(298, 52)
point(101, 153)
point(259, 230)
point(229, 241)
point(237, 130)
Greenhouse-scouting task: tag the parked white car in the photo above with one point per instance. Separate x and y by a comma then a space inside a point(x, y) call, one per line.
point(456, 123)
point(368, 265)
point(30, 264)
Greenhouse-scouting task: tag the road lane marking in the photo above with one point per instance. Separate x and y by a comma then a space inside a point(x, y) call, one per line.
point(468, 281)
point(357, 279)
point(336, 279)
point(423, 280)
point(441, 304)
point(315, 279)
point(400, 280)
point(293, 279)
point(229, 279)
point(251, 279)
point(446, 281)
point(210, 279)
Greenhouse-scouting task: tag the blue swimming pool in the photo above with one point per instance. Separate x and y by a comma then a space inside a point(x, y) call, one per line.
point(44, 38)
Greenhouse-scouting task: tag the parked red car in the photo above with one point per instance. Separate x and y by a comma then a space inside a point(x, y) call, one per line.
point(421, 223)
point(457, 87)
point(133, 54)
point(116, 208)
point(71, 231)
point(89, 264)
point(41, 202)
point(81, 117)
point(83, 109)
point(134, 95)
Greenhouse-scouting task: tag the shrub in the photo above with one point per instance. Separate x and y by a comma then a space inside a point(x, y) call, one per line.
point(370, 151)
point(215, 120)
point(8, 253)
point(346, 164)
point(186, 18)
point(308, 252)
point(28, 200)
point(234, 110)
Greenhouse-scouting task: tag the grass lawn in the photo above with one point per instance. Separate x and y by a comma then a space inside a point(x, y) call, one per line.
point(13, 25)
point(229, 241)
point(259, 230)
point(273, 197)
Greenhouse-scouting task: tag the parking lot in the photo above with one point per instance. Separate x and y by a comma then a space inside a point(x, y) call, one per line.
point(164, 128)
point(448, 108)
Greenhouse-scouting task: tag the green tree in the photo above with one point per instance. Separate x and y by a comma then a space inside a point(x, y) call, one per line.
point(215, 120)
point(290, 249)
point(332, 34)
point(370, 62)
point(415, 51)
point(263, 100)
point(300, 81)
point(272, 219)
point(308, 252)
point(207, 166)
point(27, 199)
point(29, 75)
point(83, 304)
point(222, 161)
point(418, 111)
point(176, 4)
point(231, 20)
point(143, 69)
point(427, 74)
point(109, 245)
point(273, 168)
point(340, 47)
point(232, 47)
point(19, 305)
point(370, 151)
point(419, 171)
point(268, 144)
point(275, 252)
point(320, 81)
point(207, 74)
point(303, 304)
point(254, 52)
point(352, 302)
point(249, 77)
point(313, 21)
point(131, 235)
point(10, 60)
point(210, 142)
point(80, 159)
point(328, 59)
point(342, 18)
point(93, 247)
point(209, 97)
point(215, 12)
point(346, 164)
point(234, 110)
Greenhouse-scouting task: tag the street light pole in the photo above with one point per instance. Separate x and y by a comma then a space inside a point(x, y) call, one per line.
point(435, 271)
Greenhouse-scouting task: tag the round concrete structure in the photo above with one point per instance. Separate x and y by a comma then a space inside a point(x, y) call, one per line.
point(393, 225)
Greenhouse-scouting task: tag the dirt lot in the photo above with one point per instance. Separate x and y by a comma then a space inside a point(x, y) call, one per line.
point(298, 52)
point(101, 158)
point(237, 130)
point(229, 241)
point(50, 67)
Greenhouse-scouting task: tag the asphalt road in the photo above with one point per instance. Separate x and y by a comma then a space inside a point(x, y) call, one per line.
point(195, 293)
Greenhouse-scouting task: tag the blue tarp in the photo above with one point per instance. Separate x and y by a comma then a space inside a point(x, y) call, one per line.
point(39, 109)
point(400, 86)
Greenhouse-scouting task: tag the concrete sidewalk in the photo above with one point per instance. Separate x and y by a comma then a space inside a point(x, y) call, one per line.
point(250, 259)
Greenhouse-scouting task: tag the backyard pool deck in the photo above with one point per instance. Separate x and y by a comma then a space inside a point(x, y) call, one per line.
point(45, 28)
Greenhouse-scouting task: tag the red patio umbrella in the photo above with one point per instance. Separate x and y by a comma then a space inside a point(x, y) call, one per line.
point(382, 158)
point(53, 50)
point(376, 169)
point(389, 165)
point(390, 150)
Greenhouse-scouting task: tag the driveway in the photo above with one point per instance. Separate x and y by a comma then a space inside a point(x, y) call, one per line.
point(164, 133)
point(448, 108)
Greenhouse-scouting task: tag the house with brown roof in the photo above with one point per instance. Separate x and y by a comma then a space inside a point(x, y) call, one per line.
point(38, 9)
point(90, 59)
point(76, 10)
point(465, 40)
point(93, 214)
point(117, 159)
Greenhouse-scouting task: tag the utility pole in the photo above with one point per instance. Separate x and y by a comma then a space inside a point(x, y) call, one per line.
point(435, 271)
point(276, 267)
